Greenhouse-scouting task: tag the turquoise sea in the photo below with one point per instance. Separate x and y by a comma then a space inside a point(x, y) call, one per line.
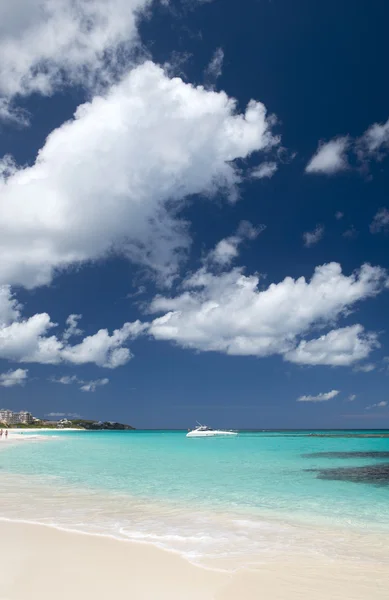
point(259, 494)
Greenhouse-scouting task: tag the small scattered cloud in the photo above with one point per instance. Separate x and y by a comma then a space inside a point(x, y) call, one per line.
point(214, 69)
point(227, 249)
point(63, 414)
point(65, 380)
point(90, 386)
point(334, 156)
point(351, 233)
point(374, 141)
point(330, 157)
point(324, 397)
point(311, 238)
point(380, 221)
point(31, 340)
point(339, 215)
point(85, 386)
point(265, 170)
point(72, 327)
point(351, 397)
point(366, 368)
point(13, 115)
point(381, 404)
point(138, 292)
point(12, 378)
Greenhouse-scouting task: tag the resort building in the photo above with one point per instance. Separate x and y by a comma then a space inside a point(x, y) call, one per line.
point(25, 417)
point(15, 418)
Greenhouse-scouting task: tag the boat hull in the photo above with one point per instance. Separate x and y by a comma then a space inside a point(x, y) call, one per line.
point(211, 434)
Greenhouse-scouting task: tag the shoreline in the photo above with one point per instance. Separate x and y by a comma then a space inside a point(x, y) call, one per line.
point(35, 429)
point(79, 566)
point(148, 522)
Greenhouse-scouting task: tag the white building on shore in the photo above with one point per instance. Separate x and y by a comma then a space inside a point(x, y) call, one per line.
point(15, 418)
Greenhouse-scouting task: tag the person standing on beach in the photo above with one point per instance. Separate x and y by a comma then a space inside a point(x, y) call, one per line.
point(6, 433)
point(1, 433)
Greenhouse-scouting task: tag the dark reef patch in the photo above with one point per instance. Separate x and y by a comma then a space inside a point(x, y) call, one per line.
point(347, 435)
point(372, 474)
point(378, 454)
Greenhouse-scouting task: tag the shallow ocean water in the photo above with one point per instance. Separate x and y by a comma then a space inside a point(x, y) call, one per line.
point(261, 493)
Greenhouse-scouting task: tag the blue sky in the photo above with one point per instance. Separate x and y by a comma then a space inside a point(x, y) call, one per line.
point(194, 212)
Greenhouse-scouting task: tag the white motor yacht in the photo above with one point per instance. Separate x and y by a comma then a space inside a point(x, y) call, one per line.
point(204, 431)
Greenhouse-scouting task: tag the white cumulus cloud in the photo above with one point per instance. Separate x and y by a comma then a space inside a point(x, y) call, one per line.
point(114, 178)
point(11, 378)
point(319, 397)
point(229, 312)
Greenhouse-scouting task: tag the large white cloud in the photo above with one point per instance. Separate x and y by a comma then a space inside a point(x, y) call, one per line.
point(29, 340)
point(230, 313)
point(113, 178)
point(47, 43)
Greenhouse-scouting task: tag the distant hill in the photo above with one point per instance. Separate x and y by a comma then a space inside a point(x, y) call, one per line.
point(99, 425)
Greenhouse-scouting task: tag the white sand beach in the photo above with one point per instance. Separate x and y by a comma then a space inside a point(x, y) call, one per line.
point(25, 435)
point(20, 435)
point(41, 563)
point(37, 429)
